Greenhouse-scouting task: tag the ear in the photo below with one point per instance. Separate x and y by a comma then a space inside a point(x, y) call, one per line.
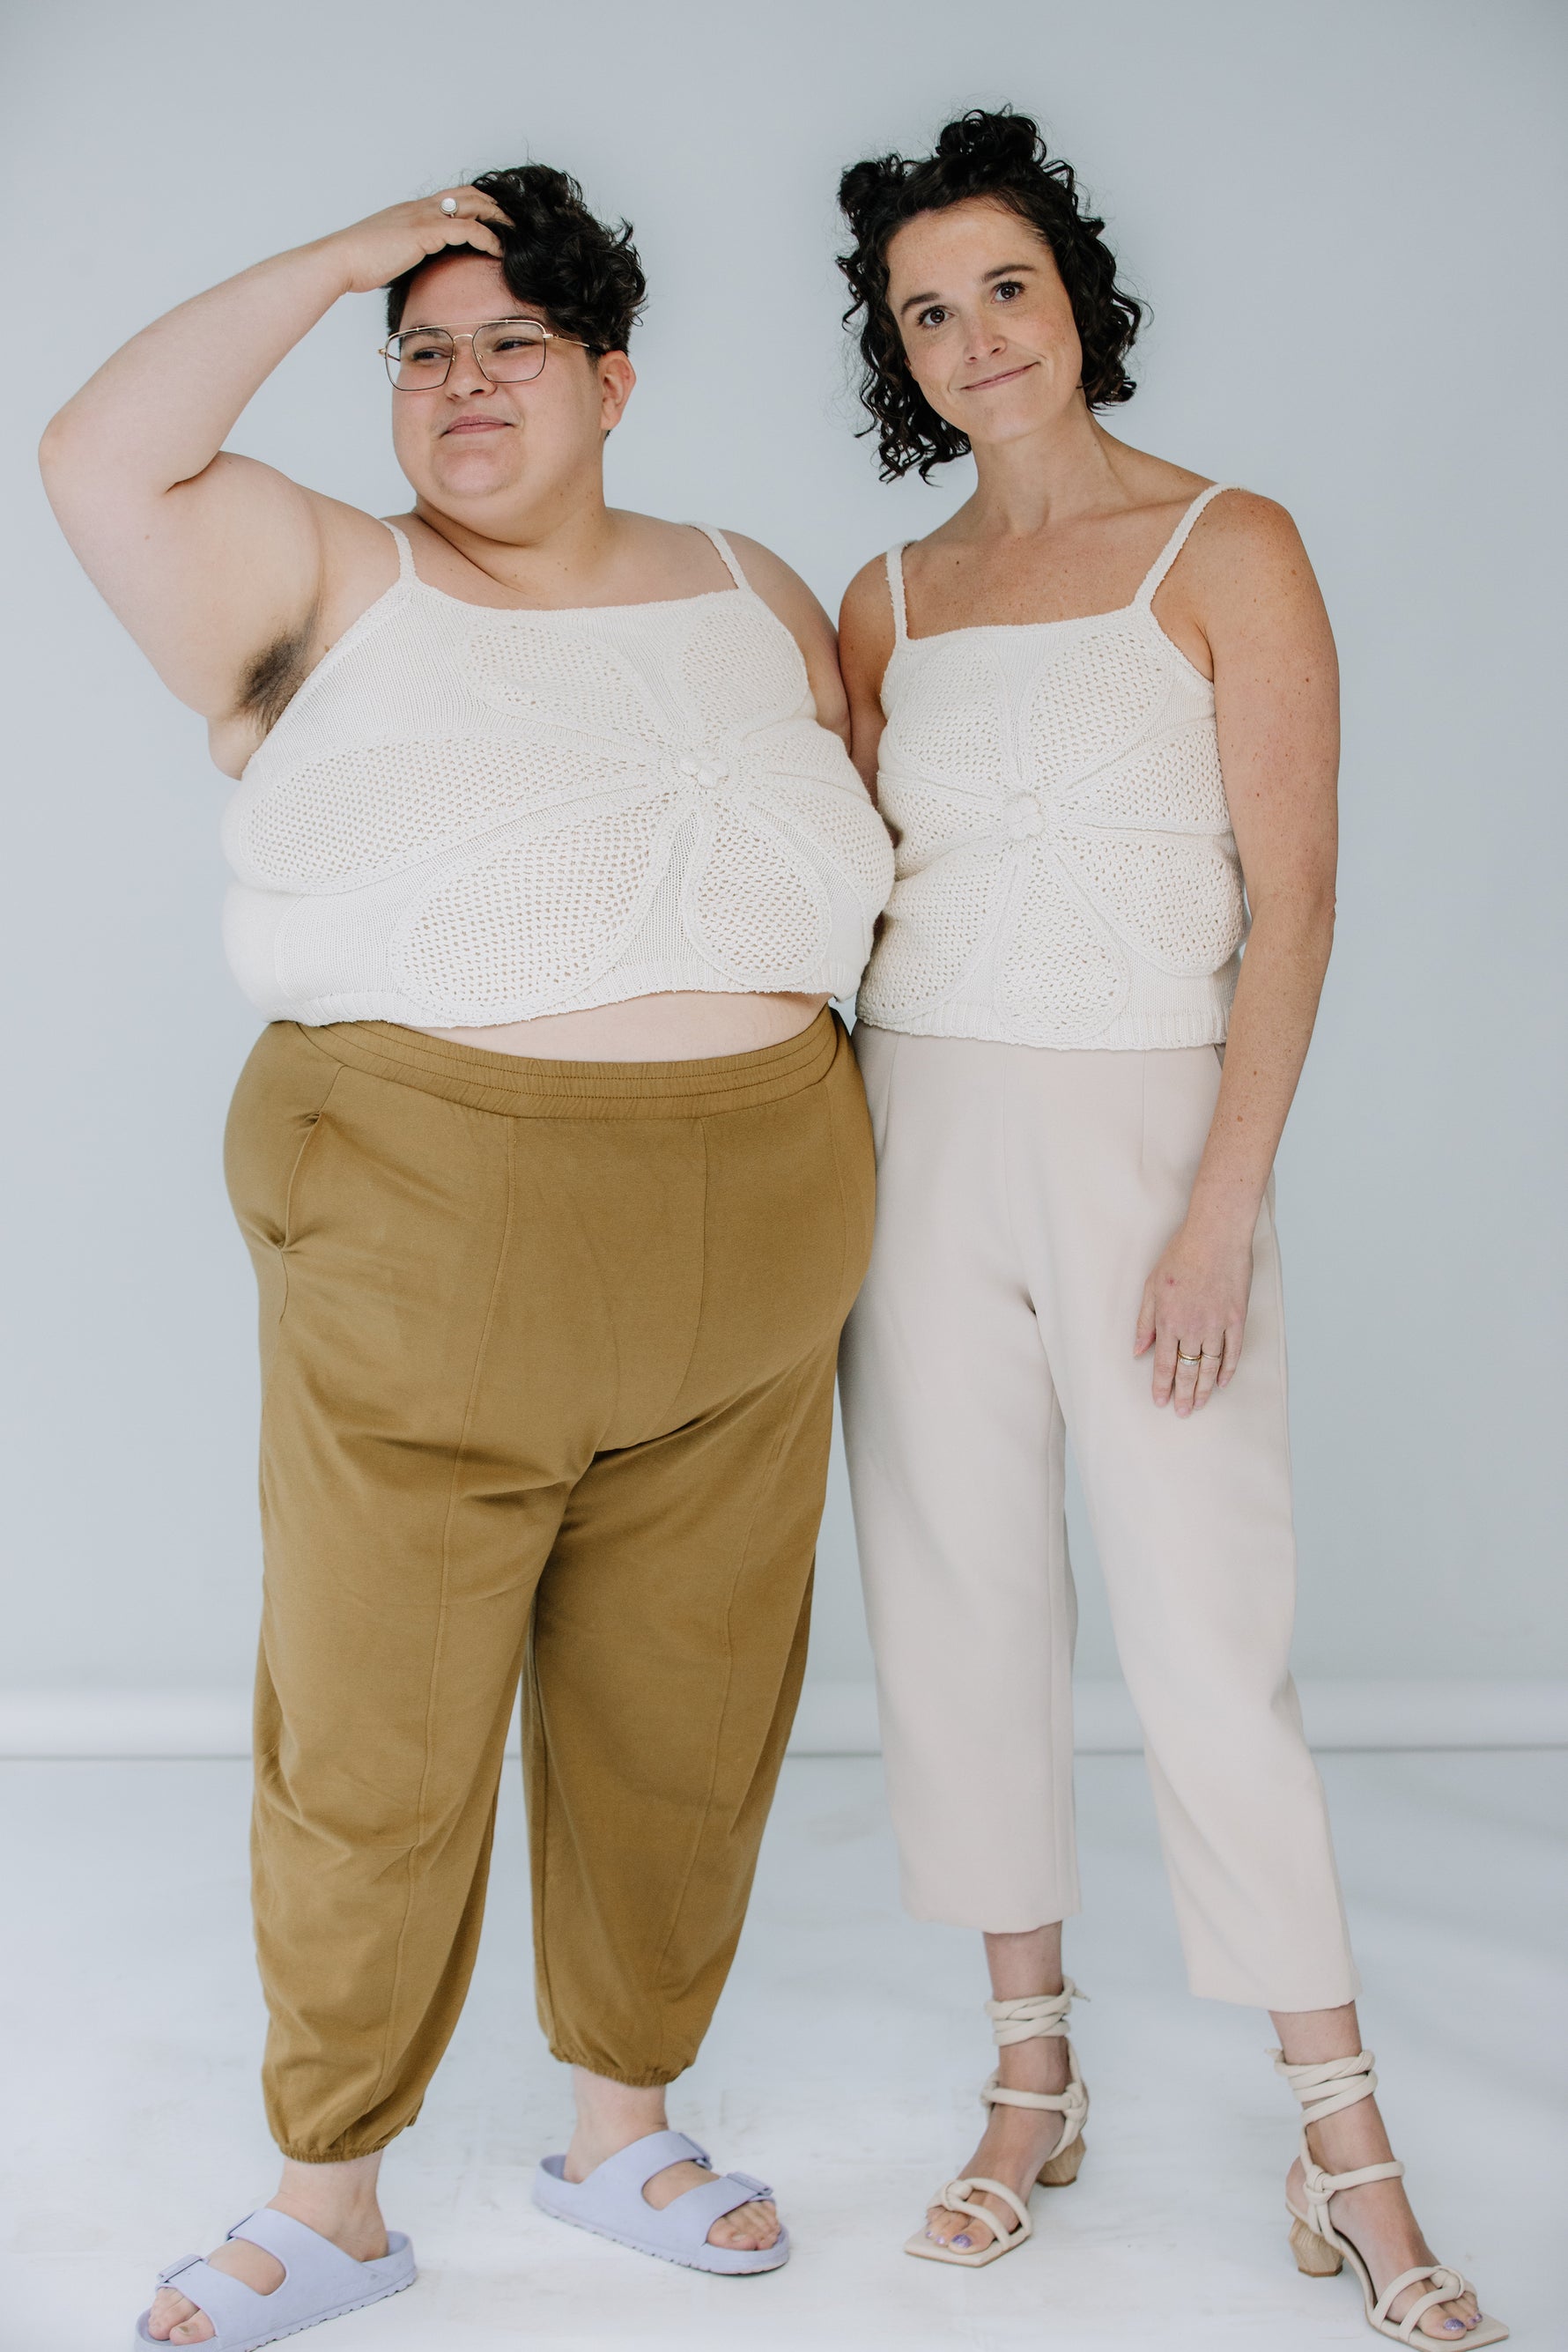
point(616, 379)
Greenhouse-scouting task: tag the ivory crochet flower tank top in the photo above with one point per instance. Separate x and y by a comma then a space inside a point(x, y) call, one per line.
point(1066, 871)
point(468, 816)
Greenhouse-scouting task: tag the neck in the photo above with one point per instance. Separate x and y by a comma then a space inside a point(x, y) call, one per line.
point(566, 532)
point(1068, 467)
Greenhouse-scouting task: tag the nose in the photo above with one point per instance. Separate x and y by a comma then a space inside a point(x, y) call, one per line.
point(983, 336)
point(466, 374)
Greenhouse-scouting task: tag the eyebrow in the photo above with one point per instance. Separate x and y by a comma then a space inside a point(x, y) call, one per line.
point(1003, 269)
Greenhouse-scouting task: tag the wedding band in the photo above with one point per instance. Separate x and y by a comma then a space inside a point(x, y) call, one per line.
point(1182, 1359)
point(449, 206)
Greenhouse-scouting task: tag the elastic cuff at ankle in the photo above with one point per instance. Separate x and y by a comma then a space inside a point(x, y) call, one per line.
point(631, 2078)
point(343, 2151)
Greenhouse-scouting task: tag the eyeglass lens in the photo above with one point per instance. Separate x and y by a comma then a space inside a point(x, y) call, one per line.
point(511, 353)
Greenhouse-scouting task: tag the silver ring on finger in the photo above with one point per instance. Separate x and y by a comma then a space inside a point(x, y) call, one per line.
point(449, 206)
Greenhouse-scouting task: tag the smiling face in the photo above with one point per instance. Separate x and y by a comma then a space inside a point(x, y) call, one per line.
point(987, 321)
point(484, 452)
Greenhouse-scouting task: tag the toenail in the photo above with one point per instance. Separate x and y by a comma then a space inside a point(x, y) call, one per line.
point(963, 2239)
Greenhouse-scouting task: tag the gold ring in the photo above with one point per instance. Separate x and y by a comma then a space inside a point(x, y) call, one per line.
point(1182, 1359)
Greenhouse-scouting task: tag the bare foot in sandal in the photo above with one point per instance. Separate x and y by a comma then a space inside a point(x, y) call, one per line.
point(1035, 2130)
point(337, 2200)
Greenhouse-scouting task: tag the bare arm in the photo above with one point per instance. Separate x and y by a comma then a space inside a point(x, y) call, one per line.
point(1250, 588)
point(785, 593)
point(865, 649)
point(211, 561)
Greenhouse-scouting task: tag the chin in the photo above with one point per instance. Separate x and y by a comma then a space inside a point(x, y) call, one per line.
point(486, 459)
point(1017, 425)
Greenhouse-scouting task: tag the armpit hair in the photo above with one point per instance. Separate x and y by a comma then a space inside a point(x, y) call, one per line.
point(276, 676)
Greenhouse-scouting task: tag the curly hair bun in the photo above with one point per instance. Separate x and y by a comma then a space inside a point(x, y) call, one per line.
point(1001, 137)
point(863, 184)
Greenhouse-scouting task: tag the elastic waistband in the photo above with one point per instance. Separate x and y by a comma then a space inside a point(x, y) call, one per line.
point(517, 1087)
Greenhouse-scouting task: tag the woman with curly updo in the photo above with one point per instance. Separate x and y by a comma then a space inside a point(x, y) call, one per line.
point(554, 1166)
point(1099, 711)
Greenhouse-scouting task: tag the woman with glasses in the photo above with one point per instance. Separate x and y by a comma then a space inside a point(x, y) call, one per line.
point(555, 1169)
point(1099, 706)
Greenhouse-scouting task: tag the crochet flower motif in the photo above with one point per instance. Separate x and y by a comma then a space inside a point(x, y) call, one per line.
point(1063, 812)
point(675, 773)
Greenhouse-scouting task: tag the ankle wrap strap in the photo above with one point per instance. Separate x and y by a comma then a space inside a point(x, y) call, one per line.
point(1040, 2017)
point(1324, 2089)
point(1071, 2105)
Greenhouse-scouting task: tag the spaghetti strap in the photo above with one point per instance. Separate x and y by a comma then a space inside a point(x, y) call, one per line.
point(1175, 544)
point(726, 555)
point(405, 554)
point(895, 562)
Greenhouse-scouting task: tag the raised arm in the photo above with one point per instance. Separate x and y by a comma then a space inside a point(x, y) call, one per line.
point(865, 649)
point(217, 565)
point(1251, 592)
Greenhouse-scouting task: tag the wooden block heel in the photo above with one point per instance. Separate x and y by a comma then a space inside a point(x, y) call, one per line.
point(1057, 2171)
point(1315, 2258)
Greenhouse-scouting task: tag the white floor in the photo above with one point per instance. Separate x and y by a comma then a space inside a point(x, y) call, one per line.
point(842, 2067)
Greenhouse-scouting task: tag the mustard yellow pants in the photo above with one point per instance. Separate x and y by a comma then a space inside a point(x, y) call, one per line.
point(548, 1354)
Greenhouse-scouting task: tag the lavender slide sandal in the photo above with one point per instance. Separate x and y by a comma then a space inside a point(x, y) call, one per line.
point(611, 2204)
point(321, 2283)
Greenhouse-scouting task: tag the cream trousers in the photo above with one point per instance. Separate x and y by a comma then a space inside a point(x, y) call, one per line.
point(1024, 1195)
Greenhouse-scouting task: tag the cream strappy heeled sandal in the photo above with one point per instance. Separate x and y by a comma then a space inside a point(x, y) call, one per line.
point(1040, 2018)
point(1320, 2249)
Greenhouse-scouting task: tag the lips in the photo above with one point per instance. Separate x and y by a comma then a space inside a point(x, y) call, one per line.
point(476, 424)
point(986, 382)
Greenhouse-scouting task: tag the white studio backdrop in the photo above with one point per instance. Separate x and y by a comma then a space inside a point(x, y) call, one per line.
point(1348, 217)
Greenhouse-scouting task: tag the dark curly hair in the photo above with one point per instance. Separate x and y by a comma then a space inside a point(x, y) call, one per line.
point(1002, 156)
point(584, 274)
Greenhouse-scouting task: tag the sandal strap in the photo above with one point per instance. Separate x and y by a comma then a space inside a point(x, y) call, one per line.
point(1071, 2101)
point(1446, 2286)
point(1038, 2017)
point(1071, 2105)
point(1324, 2185)
point(1325, 2088)
point(955, 2198)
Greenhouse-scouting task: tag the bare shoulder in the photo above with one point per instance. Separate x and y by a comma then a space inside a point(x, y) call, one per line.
point(867, 601)
point(866, 627)
point(1242, 535)
point(781, 588)
point(1244, 571)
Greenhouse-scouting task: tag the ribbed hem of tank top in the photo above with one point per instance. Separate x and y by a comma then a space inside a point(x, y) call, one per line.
point(1140, 1033)
point(517, 1086)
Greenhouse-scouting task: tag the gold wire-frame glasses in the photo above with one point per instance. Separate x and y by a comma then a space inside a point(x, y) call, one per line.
point(506, 350)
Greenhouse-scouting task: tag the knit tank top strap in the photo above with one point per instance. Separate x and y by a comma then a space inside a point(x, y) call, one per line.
point(726, 555)
point(405, 554)
point(895, 562)
point(1175, 544)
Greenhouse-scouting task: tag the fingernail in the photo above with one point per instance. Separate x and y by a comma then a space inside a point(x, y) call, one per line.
point(963, 2239)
